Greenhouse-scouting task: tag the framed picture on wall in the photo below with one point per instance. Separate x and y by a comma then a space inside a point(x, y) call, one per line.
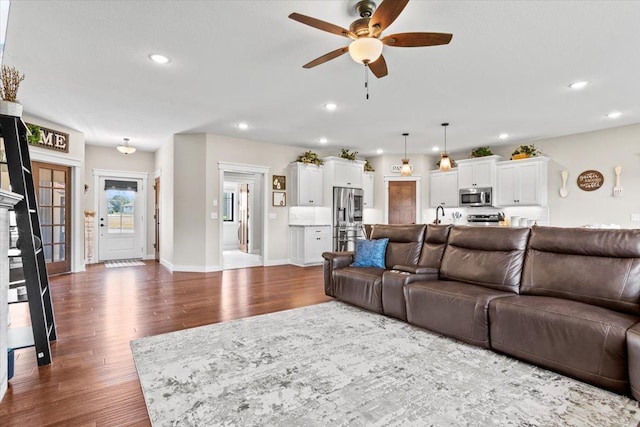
point(279, 198)
point(279, 183)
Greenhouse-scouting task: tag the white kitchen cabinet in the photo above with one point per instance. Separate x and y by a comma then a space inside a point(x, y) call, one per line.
point(307, 182)
point(307, 243)
point(343, 173)
point(478, 172)
point(522, 182)
point(443, 189)
point(367, 188)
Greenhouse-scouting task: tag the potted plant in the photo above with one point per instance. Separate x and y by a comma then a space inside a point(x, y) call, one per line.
point(35, 133)
point(310, 157)
point(11, 79)
point(481, 152)
point(346, 154)
point(368, 167)
point(524, 151)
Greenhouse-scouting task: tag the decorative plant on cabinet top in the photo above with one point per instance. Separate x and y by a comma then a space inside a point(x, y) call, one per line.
point(368, 167)
point(349, 155)
point(525, 151)
point(310, 157)
point(481, 152)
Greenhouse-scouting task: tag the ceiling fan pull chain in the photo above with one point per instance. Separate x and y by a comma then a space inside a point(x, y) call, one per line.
point(366, 79)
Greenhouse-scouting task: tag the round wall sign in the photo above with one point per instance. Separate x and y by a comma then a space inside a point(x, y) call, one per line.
point(590, 180)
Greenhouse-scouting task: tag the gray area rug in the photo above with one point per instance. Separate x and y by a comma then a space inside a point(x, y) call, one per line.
point(334, 364)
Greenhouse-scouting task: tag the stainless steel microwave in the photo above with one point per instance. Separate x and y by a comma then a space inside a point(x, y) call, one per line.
point(476, 196)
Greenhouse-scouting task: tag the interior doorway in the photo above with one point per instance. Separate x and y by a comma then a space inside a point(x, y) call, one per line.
point(242, 217)
point(53, 194)
point(402, 200)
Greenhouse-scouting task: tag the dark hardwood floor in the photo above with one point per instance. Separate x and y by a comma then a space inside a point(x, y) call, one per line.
point(92, 380)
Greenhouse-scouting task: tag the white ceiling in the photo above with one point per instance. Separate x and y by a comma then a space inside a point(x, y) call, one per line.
point(507, 69)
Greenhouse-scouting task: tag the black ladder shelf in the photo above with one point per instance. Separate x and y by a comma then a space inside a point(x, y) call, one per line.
point(14, 133)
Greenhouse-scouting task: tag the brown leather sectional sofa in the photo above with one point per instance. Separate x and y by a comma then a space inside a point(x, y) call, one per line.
point(567, 299)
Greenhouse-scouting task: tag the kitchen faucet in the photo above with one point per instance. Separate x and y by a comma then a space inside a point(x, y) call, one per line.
point(437, 221)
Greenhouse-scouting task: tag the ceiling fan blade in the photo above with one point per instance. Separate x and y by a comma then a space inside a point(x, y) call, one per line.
point(327, 57)
point(379, 67)
point(417, 39)
point(322, 25)
point(385, 14)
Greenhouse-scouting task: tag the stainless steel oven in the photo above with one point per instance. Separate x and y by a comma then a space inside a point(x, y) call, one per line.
point(476, 197)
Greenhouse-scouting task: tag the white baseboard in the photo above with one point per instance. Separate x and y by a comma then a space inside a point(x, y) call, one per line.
point(166, 264)
point(197, 268)
point(273, 262)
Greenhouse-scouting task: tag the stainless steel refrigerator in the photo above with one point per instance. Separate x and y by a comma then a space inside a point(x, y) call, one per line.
point(347, 218)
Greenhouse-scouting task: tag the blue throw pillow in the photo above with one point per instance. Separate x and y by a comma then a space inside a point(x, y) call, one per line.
point(370, 253)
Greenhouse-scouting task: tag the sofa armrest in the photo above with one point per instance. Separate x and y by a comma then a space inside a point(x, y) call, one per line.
point(417, 269)
point(334, 261)
point(633, 362)
point(393, 283)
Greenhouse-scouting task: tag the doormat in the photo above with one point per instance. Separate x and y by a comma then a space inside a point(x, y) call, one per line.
point(123, 263)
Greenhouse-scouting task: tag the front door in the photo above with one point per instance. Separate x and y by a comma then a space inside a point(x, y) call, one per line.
point(120, 219)
point(402, 202)
point(53, 190)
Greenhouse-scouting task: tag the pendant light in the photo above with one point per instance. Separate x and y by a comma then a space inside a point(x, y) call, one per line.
point(126, 148)
point(406, 167)
point(445, 160)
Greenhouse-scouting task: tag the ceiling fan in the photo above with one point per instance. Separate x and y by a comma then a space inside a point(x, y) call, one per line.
point(366, 47)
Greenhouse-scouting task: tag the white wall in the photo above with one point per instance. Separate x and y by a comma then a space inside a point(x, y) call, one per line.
point(108, 158)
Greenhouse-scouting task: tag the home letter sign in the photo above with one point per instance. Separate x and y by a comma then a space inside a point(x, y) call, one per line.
point(51, 139)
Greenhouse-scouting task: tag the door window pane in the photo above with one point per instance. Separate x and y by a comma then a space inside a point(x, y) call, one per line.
point(58, 216)
point(46, 235)
point(58, 234)
point(59, 178)
point(45, 177)
point(58, 253)
point(227, 210)
point(121, 211)
point(47, 253)
point(44, 196)
point(45, 215)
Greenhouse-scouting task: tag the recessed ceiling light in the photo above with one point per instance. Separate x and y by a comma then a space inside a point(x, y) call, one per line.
point(323, 140)
point(503, 136)
point(379, 151)
point(435, 148)
point(159, 59)
point(614, 114)
point(243, 126)
point(330, 106)
point(579, 84)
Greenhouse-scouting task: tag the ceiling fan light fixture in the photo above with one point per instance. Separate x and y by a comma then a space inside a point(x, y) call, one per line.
point(365, 50)
point(126, 148)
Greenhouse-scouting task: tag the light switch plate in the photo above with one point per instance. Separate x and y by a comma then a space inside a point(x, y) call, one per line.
point(214, 215)
point(635, 217)
point(215, 202)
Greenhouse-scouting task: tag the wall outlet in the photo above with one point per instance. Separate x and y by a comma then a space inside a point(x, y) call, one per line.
point(635, 217)
point(272, 215)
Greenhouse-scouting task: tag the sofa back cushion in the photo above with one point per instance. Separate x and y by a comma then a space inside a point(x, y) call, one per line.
point(435, 241)
point(405, 242)
point(486, 256)
point(600, 267)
